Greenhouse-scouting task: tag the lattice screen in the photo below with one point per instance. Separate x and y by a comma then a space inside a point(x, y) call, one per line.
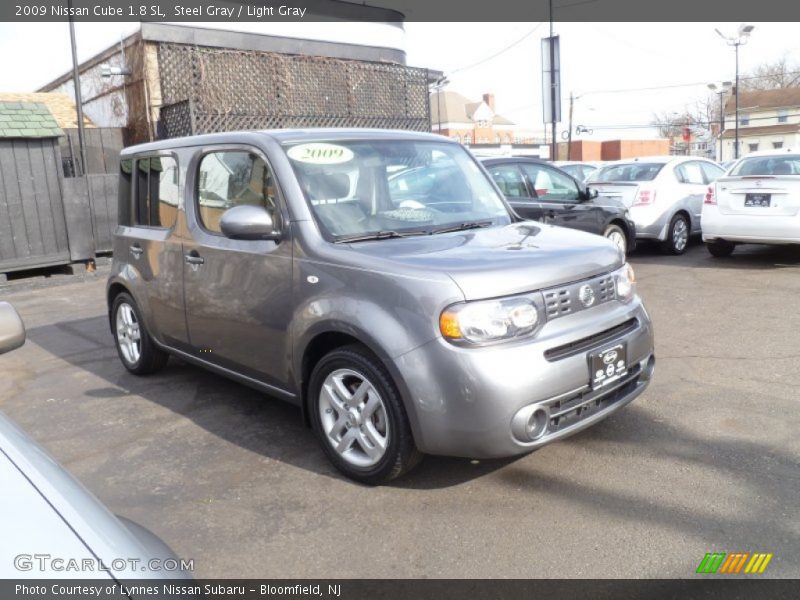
point(206, 90)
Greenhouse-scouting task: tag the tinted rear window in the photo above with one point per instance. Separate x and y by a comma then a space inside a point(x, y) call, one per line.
point(788, 164)
point(627, 172)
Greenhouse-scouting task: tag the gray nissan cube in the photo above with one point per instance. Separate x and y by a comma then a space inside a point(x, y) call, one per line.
point(378, 280)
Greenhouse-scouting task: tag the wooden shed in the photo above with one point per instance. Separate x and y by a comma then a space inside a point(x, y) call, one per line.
point(33, 229)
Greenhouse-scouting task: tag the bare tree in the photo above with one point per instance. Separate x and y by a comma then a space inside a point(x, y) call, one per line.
point(770, 76)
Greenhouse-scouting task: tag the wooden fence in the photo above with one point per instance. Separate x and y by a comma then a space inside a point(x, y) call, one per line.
point(47, 215)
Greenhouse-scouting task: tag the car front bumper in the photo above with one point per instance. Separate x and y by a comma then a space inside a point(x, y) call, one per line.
point(471, 401)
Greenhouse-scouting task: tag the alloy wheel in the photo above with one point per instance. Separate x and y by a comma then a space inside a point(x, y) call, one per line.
point(129, 335)
point(353, 417)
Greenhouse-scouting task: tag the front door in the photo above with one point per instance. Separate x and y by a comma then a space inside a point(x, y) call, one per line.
point(560, 198)
point(238, 292)
point(512, 183)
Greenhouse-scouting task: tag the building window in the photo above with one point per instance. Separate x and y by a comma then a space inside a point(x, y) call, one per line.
point(744, 119)
point(783, 116)
point(752, 147)
point(777, 145)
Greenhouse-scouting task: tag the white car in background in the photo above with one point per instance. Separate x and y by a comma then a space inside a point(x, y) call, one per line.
point(757, 202)
point(580, 170)
point(664, 194)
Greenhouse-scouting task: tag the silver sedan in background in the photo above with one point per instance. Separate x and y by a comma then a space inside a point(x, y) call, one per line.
point(664, 194)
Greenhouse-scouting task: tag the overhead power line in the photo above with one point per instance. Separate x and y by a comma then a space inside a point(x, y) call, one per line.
point(498, 53)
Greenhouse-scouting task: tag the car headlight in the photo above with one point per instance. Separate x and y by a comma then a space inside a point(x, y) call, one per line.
point(489, 320)
point(625, 280)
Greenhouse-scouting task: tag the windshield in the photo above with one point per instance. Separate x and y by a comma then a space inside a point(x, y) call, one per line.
point(362, 187)
point(626, 172)
point(787, 164)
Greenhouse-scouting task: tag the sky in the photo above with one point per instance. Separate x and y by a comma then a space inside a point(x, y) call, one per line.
point(597, 59)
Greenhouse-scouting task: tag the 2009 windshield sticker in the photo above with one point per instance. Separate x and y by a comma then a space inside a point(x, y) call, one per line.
point(319, 153)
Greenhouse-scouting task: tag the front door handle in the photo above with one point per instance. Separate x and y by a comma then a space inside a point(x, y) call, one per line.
point(193, 258)
point(136, 250)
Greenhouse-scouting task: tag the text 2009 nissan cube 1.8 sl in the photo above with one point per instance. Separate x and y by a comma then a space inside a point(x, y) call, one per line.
point(378, 280)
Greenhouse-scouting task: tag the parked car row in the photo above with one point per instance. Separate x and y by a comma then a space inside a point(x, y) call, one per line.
point(654, 198)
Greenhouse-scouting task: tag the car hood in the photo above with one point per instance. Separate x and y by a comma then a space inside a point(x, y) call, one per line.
point(500, 261)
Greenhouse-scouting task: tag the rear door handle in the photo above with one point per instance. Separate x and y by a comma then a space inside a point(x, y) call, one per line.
point(136, 250)
point(193, 258)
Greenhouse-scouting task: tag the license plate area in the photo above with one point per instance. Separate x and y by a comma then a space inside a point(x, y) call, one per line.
point(757, 200)
point(608, 365)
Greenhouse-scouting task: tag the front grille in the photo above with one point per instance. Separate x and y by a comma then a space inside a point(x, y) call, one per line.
point(564, 300)
point(591, 341)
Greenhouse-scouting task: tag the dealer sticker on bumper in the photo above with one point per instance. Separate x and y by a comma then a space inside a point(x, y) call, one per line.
point(608, 365)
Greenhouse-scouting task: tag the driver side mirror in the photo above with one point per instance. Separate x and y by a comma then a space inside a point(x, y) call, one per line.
point(247, 222)
point(12, 329)
point(590, 193)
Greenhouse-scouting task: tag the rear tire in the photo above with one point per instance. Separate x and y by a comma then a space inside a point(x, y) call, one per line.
point(720, 248)
point(677, 235)
point(359, 418)
point(616, 234)
point(135, 347)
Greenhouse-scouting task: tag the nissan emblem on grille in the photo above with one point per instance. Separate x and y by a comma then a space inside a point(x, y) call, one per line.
point(586, 295)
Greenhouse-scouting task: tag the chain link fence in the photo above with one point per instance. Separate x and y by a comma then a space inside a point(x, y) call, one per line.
point(207, 90)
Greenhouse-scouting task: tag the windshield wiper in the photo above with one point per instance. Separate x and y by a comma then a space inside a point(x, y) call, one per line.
point(463, 226)
point(377, 235)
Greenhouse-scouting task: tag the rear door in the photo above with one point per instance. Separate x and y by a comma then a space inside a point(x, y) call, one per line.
point(513, 184)
point(693, 186)
point(147, 240)
point(560, 198)
point(238, 292)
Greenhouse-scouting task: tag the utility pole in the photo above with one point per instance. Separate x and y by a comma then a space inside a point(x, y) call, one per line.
point(76, 82)
point(553, 155)
point(569, 135)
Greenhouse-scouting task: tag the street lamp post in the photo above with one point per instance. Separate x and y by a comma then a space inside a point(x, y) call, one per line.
point(439, 86)
point(720, 90)
point(742, 35)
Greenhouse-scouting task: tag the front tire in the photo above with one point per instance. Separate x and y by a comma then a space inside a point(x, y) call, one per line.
point(720, 248)
point(359, 418)
point(135, 347)
point(677, 236)
point(616, 234)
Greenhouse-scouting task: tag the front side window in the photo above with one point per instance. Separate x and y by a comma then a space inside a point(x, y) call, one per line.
point(361, 187)
point(550, 185)
point(509, 179)
point(157, 195)
point(231, 178)
point(712, 172)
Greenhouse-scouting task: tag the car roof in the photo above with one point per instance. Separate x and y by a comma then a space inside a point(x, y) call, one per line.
point(282, 136)
point(781, 152)
point(502, 159)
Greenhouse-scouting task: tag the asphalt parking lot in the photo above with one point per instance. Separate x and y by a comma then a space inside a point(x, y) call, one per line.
point(708, 459)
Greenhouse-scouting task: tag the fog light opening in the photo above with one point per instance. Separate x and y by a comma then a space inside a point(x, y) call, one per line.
point(537, 423)
point(650, 367)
